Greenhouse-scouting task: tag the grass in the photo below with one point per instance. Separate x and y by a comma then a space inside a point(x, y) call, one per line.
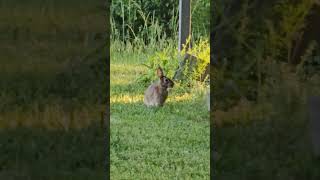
point(49, 119)
point(40, 154)
point(171, 142)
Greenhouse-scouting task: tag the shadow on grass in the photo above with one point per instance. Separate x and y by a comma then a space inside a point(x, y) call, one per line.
point(40, 154)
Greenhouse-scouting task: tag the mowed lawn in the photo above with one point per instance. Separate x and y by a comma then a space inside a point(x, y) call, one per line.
point(171, 142)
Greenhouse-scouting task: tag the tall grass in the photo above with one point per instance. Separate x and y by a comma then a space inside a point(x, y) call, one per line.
point(142, 30)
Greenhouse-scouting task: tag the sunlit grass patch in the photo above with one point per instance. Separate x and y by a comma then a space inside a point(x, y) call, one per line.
point(126, 99)
point(178, 98)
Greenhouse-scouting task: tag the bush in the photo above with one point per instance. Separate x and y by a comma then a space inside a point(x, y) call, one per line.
point(169, 59)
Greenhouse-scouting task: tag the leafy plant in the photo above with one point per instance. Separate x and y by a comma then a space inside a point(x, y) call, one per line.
point(201, 52)
point(169, 59)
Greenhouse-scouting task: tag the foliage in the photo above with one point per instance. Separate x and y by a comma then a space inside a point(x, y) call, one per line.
point(169, 59)
point(285, 30)
point(260, 93)
point(201, 51)
point(132, 19)
point(256, 43)
point(200, 15)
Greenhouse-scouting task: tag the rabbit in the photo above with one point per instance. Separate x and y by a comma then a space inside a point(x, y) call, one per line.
point(157, 93)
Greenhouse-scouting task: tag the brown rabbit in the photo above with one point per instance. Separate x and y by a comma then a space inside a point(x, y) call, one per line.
point(157, 93)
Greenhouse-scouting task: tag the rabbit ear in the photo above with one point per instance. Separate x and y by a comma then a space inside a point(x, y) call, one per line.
point(159, 72)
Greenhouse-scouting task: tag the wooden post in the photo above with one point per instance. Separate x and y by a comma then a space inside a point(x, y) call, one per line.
point(314, 116)
point(184, 33)
point(184, 22)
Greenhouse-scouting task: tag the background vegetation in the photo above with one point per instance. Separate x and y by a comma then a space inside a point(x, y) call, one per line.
point(53, 84)
point(260, 89)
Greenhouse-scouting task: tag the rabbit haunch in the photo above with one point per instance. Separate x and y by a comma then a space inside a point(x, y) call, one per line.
point(157, 93)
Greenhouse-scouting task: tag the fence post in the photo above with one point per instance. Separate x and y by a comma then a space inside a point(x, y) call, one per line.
point(184, 22)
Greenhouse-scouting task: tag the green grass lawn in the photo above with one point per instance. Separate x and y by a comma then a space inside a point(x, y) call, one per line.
point(171, 142)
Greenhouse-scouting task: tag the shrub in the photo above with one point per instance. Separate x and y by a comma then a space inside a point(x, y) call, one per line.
point(169, 59)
